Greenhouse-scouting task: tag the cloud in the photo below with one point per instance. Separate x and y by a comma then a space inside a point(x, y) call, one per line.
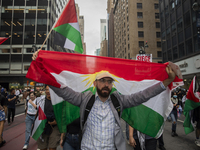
point(93, 11)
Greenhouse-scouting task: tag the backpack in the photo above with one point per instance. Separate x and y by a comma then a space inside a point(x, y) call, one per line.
point(91, 103)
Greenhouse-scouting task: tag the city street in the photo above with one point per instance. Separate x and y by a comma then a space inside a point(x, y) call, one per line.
point(15, 135)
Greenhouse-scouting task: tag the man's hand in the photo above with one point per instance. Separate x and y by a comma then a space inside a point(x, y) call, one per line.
point(171, 76)
point(35, 55)
point(132, 141)
point(53, 122)
point(61, 140)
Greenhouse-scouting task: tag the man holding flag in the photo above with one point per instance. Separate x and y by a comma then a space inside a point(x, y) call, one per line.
point(192, 110)
point(102, 128)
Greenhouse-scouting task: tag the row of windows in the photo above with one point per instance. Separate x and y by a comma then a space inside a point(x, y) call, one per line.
point(139, 6)
point(141, 24)
point(141, 34)
point(140, 15)
point(141, 44)
point(181, 50)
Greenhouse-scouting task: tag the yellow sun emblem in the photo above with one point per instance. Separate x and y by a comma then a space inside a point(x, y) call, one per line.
point(91, 78)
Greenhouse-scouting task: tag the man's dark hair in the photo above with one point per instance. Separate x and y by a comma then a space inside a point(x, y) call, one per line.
point(31, 93)
point(12, 89)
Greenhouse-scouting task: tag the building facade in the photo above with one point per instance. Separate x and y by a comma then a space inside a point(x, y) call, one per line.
point(135, 22)
point(110, 20)
point(27, 23)
point(180, 42)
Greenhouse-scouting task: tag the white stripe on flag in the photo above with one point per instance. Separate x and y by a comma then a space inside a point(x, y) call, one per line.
point(69, 44)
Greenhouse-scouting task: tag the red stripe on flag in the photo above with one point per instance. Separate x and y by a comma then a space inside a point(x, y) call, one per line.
point(3, 39)
point(68, 15)
point(41, 115)
point(49, 62)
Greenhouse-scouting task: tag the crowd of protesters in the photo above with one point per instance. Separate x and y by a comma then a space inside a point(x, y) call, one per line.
point(51, 137)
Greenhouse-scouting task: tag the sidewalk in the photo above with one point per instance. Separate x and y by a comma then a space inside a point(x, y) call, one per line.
point(15, 135)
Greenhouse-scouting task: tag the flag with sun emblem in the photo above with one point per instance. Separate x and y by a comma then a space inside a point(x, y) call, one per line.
point(78, 72)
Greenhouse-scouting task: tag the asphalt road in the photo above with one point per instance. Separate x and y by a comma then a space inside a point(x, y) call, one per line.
point(182, 142)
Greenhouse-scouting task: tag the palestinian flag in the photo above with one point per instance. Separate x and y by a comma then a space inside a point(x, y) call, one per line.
point(67, 29)
point(40, 120)
point(191, 103)
point(78, 72)
point(3, 39)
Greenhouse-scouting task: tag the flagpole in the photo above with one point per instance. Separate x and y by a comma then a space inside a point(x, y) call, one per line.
point(53, 26)
point(46, 38)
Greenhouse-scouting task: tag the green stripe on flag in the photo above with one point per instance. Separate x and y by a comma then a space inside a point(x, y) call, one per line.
point(189, 105)
point(72, 34)
point(65, 113)
point(148, 122)
point(39, 130)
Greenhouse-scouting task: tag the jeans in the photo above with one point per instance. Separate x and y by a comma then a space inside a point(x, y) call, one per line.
point(71, 142)
point(11, 110)
point(29, 122)
point(174, 119)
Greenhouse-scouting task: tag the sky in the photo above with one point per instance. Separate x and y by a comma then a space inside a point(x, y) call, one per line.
point(93, 11)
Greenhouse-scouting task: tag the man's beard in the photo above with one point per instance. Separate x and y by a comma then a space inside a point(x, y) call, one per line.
point(103, 94)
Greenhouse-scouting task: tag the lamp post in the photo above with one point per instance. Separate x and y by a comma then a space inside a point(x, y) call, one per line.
point(142, 49)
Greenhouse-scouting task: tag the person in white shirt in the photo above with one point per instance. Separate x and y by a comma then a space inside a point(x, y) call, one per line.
point(30, 117)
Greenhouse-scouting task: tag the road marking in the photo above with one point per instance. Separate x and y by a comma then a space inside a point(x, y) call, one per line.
point(180, 121)
point(20, 114)
point(17, 115)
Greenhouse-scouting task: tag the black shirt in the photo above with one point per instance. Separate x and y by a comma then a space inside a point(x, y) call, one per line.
point(11, 104)
point(48, 110)
point(2, 100)
point(74, 127)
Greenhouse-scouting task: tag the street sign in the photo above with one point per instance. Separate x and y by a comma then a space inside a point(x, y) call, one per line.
point(144, 57)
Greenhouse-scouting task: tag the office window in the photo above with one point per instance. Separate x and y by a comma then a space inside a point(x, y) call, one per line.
point(139, 5)
point(180, 24)
point(158, 34)
point(157, 15)
point(189, 47)
point(187, 19)
point(159, 54)
point(175, 53)
point(181, 50)
point(140, 24)
point(140, 33)
point(156, 6)
point(141, 43)
point(158, 44)
point(165, 57)
point(157, 24)
point(169, 53)
point(139, 14)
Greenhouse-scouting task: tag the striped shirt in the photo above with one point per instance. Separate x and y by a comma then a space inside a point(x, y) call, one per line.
point(100, 127)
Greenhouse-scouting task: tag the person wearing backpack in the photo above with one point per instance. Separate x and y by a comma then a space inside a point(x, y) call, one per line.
point(101, 127)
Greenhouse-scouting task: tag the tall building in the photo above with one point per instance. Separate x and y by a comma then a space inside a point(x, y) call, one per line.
point(97, 52)
point(136, 22)
point(103, 37)
point(180, 42)
point(27, 23)
point(110, 20)
point(81, 26)
point(103, 30)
